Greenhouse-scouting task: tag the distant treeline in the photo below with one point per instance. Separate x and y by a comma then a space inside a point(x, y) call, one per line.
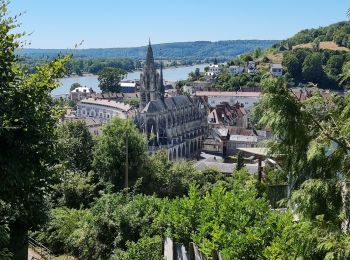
point(199, 50)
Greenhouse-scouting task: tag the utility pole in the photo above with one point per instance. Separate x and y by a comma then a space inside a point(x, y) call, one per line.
point(126, 176)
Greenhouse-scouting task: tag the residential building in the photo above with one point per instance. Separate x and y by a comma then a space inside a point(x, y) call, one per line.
point(80, 93)
point(235, 69)
point(241, 141)
point(128, 86)
point(224, 114)
point(251, 68)
point(103, 109)
point(276, 70)
point(214, 98)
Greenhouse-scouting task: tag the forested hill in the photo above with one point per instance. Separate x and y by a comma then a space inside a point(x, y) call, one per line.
point(199, 50)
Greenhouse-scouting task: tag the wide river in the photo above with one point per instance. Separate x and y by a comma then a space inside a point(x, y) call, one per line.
point(90, 81)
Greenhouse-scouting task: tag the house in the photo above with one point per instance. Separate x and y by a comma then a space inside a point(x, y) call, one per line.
point(276, 70)
point(214, 98)
point(214, 69)
point(215, 142)
point(128, 86)
point(241, 141)
point(80, 93)
point(103, 109)
point(235, 70)
point(93, 124)
point(251, 68)
point(225, 114)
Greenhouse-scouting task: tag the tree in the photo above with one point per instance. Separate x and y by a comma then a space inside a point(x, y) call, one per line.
point(292, 65)
point(312, 68)
point(240, 161)
point(75, 145)
point(27, 122)
point(74, 86)
point(334, 65)
point(109, 79)
point(109, 151)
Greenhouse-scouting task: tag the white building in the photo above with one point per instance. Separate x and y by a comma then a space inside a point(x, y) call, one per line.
point(103, 109)
point(240, 141)
point(128, 86)
point(235, 70)
point(251, 68)
point(276, 70)
point(214, 98)
point(213, 69)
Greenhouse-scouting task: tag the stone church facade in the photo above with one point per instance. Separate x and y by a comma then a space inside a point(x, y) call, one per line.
point(177, 124)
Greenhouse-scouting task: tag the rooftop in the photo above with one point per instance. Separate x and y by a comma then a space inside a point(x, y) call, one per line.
point(227, 94)
point(243, 138)
point(108, 103)
point(227, 168)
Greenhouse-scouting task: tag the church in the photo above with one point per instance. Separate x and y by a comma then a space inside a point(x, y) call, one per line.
point(176, 124)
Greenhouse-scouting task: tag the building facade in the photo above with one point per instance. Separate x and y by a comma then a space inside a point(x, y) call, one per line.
point(103, 109)
point(177, 124)
point(214, 98)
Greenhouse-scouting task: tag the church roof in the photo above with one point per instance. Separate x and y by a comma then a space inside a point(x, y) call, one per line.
point(168, 103)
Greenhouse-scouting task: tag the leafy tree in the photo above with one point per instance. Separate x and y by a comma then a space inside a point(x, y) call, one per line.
point(75, 145)
point(292, 65)
point(145, 248)
point(109, 79)
point(312, 68)
point(109, 151)
point(27, 122)
point(334, 65)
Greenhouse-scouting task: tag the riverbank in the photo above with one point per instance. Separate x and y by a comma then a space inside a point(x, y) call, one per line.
point(91, 80)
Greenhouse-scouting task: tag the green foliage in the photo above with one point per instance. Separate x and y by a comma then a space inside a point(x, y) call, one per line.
point(199, 50)
point(149, 248)
point(27, 122)
point(109, 152)
point(95, 233)
point(74, 145)
point(337, 32)
point(235, 222)
point(77, 189)
point(171, 179)
point(312, 68)
point(109, 79)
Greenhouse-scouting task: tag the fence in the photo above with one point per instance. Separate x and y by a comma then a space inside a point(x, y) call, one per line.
point(43, 251)
point(177, 251)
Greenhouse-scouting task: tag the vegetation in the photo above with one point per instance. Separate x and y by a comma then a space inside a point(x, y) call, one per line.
point(199, 50)
point(109, 79)
point(67, 188)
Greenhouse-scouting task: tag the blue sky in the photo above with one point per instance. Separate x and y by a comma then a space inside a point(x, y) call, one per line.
point(126, 23)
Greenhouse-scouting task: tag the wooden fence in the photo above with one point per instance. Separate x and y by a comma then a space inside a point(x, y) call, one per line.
point(177, 251)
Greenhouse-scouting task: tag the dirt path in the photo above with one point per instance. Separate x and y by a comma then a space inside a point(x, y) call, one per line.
point(33, 255)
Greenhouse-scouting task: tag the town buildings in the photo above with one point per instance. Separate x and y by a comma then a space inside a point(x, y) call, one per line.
point(276, 70)
point(248, 99)
point(103, 109)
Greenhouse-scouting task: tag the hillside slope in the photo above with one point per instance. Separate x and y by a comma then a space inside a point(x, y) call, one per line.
point(199, 50)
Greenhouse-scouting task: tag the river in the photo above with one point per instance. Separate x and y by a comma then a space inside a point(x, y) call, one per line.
point(90, 81)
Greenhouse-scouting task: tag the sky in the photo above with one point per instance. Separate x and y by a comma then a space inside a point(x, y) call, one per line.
point(129, 23)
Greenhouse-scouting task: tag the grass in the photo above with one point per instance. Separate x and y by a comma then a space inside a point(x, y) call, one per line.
point(329, 45)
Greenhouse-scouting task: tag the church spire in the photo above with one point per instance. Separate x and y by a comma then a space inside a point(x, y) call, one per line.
point(161, 85)
point(149, 57)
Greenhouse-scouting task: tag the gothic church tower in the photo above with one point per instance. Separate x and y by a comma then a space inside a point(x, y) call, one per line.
point(151, 87)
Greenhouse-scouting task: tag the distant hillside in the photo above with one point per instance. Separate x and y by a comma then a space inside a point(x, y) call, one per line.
point(199, 50)
point(337, 32)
